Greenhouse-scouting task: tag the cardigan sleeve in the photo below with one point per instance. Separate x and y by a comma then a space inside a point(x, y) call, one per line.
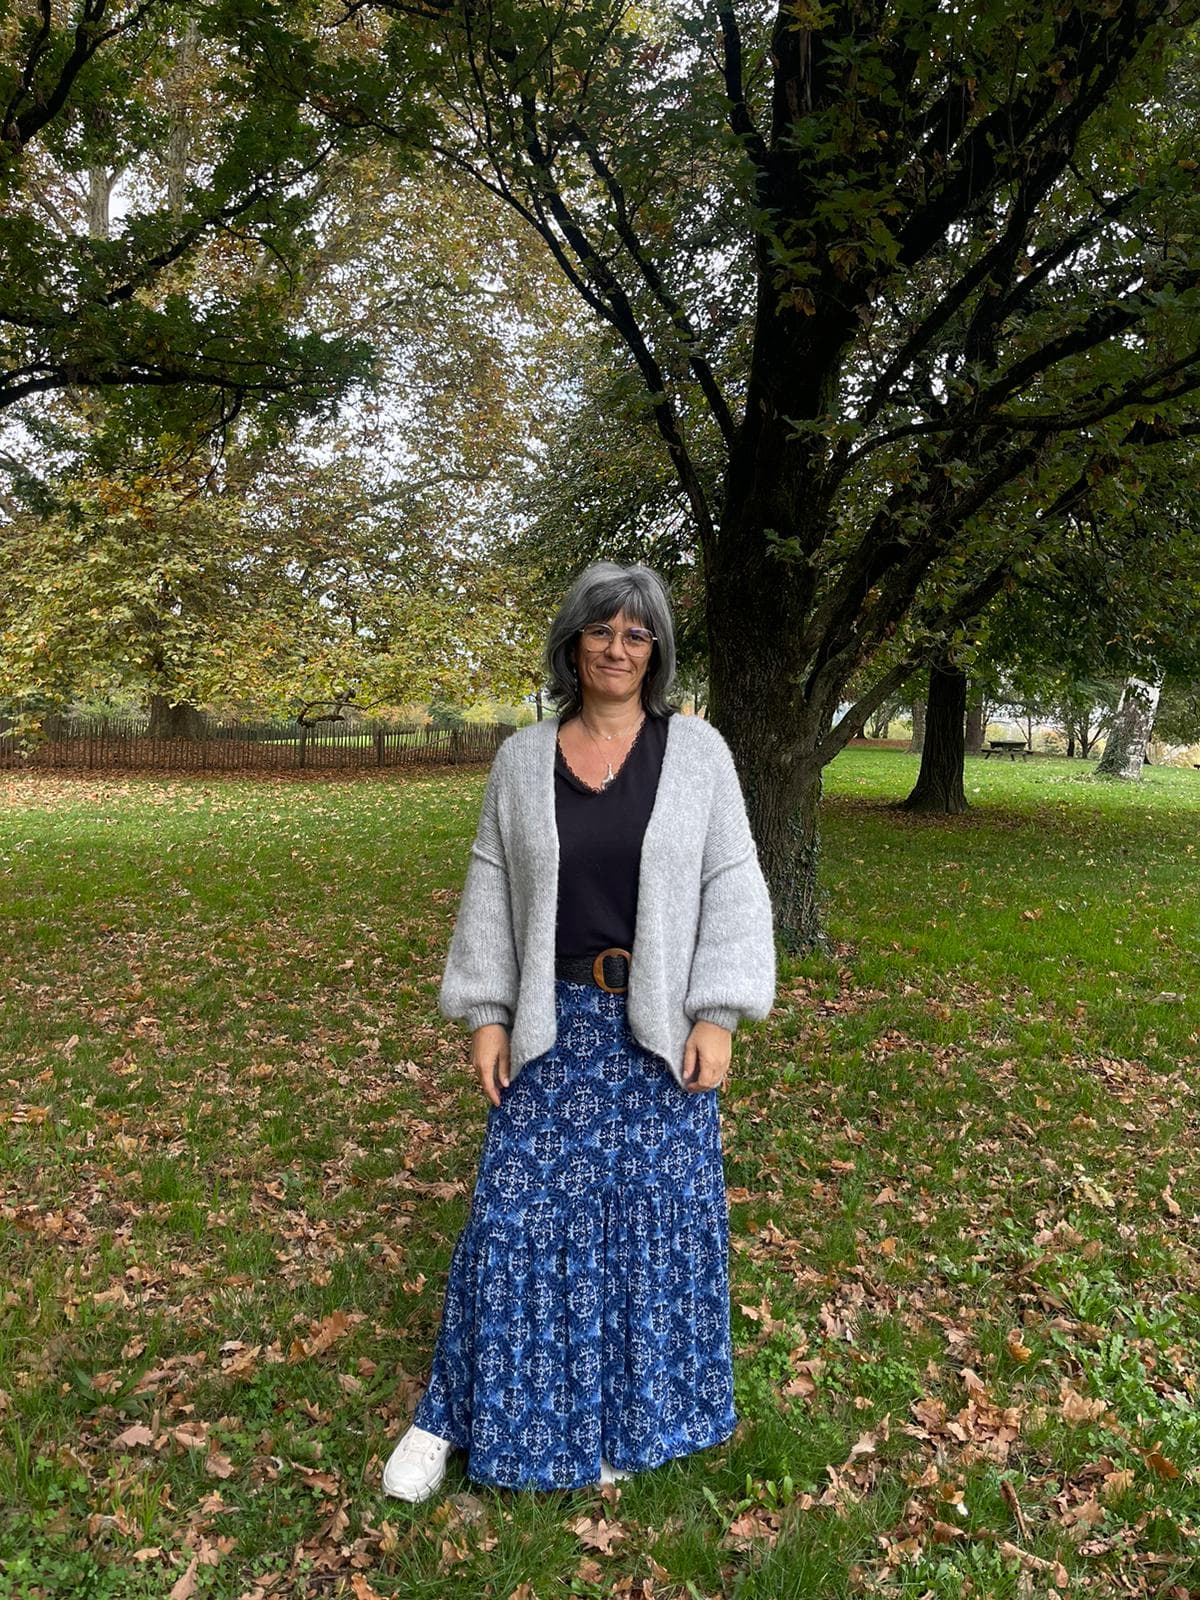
point(733, 965)
point(480, 981)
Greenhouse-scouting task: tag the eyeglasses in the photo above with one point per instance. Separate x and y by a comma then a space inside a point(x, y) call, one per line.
point(598, 636)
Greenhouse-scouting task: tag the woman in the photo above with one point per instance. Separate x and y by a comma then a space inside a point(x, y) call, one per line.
point(613, 930)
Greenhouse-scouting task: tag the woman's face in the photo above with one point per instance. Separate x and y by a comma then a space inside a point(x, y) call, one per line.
point(612, 672)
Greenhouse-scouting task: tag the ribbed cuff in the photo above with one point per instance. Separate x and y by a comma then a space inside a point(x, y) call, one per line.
point(480, 1016)
point(719, 1015)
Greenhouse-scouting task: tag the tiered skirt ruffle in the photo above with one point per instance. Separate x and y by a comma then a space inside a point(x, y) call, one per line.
point(587, 1307)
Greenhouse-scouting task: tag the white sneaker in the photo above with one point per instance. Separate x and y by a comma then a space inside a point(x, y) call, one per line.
point(611, 1474)
point(416, 1466)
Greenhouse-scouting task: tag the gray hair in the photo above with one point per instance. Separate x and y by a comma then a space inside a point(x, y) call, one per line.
point(599, 592)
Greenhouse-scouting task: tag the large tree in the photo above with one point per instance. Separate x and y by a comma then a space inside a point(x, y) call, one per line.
point(899, 282)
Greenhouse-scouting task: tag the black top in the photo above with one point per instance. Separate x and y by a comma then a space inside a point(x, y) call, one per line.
point(600, 847)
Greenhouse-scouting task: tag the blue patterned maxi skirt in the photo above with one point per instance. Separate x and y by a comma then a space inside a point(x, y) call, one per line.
point(587, 1308)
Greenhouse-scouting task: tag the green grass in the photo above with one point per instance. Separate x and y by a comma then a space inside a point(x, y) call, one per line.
point(962, 1159)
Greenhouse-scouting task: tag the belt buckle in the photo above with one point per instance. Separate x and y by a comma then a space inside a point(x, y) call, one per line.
point(598, 969)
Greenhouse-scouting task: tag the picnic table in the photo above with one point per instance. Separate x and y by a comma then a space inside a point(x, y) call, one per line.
point(1012, 748)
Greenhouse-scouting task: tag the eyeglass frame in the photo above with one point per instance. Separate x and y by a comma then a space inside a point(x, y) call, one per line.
point(623, 635)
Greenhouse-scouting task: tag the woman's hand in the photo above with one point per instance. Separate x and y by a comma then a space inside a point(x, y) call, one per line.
point(706, 1056)
point(490, 1057)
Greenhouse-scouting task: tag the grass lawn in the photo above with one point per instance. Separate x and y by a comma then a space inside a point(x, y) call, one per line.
point(962, 1162)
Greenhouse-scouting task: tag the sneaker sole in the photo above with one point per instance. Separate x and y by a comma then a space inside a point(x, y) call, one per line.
point(414, 1499)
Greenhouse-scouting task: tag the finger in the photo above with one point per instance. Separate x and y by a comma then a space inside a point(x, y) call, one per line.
point(487, 1081)
point(712, 1074)
point(504, 1070)
point(691, 1067)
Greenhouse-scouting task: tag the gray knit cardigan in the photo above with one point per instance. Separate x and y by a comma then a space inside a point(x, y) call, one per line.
point(703, 945)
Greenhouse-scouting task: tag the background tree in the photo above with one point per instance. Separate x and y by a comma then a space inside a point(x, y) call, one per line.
point(915, 280)
point(101, 101)
point(278, 565)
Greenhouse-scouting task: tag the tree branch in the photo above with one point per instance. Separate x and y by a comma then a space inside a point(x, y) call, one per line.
point(740, 120)
point(679, 318)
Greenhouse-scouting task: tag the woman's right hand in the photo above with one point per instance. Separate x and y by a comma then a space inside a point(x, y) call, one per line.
point(490, 1058)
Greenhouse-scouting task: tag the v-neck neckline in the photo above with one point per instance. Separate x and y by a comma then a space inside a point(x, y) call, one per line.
point(580, 783)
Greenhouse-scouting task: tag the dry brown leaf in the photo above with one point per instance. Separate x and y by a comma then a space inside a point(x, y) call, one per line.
point(1032, 1563)
point(597, 1534)
point(945, 1533)
point(191, 1436)
point(1076, 1409)
point(1159, 1464)
point(1017, 1349)
point(804, 1383)
point(754, 1527)
point(1087, 1514)
point(139, 1433)
point(1117, 1483)
point(185, 1587)
point(361, 1589)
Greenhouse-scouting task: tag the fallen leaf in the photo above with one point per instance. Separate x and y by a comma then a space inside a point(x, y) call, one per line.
point(945, 1533)
point(1016, 1349)
point(1076, 1409)
point(185, 1587)
point(1117, 1483)
point(597, 1534)
point(1159, 1464)
point(139, 1433)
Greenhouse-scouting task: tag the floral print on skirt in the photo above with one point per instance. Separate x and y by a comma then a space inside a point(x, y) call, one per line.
point(587, 1307)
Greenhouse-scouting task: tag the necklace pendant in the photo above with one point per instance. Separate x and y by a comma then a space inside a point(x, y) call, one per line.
point(611, 775)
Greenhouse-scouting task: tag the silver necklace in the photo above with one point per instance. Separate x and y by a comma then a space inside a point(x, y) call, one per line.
point(595, 737)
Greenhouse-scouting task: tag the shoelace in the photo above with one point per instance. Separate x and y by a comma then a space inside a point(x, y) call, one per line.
point(421, 1452)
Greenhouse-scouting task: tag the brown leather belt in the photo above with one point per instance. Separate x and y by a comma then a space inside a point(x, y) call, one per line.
point(608, 971)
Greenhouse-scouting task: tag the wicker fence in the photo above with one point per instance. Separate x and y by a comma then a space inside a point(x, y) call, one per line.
point(106, 744)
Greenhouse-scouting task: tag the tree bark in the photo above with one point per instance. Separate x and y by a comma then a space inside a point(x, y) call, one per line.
point(917, 742)
point(975, 723)
point(774, 736)
point(939, 785)
point(1125, 749)
point(167, 721)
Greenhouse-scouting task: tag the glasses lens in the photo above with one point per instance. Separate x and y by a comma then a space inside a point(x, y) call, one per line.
point(599, 635)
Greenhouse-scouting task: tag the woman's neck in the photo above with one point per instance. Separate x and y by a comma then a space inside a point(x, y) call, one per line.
point(608, 718)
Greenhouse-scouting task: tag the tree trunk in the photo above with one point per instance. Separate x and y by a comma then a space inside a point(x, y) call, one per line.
point(1125, 749)
point(975, 723)
point(784, 821)
point(775, 736)
point(1070, 739)
point(182, 120)
point(881, 722)
point(1087, 737)
point(939, 785)
point(917, 742)
point(167, 721)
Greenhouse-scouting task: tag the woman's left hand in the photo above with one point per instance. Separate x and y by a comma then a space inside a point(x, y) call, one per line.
point(706, 1056)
